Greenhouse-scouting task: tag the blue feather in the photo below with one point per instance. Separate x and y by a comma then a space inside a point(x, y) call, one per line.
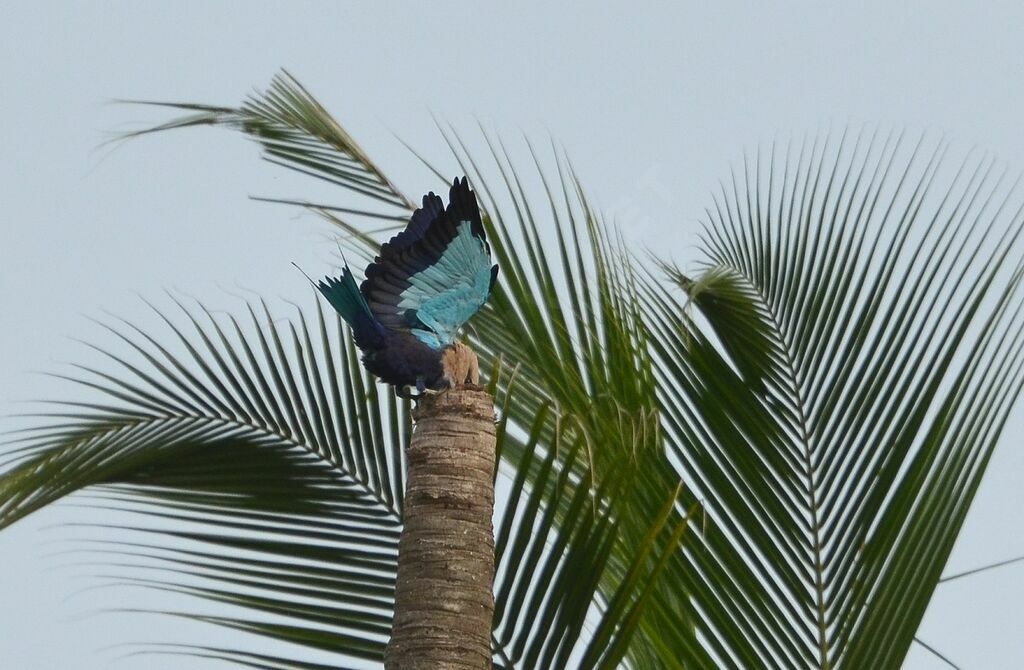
point(422, 287)
point(463, 274)
point(434, 277)
point(346, 298)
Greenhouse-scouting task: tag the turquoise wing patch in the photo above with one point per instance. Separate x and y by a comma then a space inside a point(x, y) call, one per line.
point(431, 278)
point(447, 294)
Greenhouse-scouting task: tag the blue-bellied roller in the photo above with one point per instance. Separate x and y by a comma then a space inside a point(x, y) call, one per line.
point(422, 287)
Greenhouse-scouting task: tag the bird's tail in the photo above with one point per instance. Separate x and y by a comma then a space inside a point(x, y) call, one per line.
point(344, 295)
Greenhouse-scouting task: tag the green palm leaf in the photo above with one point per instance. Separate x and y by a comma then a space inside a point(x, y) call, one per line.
point(873, 339)
point(280, 469)
point(296, 132)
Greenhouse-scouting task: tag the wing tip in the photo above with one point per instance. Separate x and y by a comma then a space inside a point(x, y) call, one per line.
point(464, 206)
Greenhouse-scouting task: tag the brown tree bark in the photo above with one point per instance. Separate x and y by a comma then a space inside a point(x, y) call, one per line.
point(443, 599)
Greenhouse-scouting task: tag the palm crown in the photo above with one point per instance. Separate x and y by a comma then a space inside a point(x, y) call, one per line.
point(761, 464)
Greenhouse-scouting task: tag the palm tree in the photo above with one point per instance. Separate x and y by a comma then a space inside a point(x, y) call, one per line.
point(762, 463)
point(443, 582)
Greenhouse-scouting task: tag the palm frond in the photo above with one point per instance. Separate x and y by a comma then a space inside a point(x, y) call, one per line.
point(286, 469)
point(567, 312)
point(296, 132)
point(275, 471)
point(555, 550)
point(866, 349)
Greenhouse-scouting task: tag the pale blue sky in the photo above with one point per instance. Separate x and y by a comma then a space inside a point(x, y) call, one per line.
point(652, 104)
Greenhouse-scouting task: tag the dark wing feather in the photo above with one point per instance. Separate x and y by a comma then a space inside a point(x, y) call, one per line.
point(432, 207)
point(433, 276)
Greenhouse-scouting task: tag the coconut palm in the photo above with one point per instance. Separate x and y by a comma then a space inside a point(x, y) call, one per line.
point(762, 460)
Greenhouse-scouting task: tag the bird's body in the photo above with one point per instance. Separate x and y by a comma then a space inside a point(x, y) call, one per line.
point(405, 360)
point(425, 283)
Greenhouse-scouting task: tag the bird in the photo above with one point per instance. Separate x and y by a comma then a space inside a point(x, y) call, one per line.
point(421, 288)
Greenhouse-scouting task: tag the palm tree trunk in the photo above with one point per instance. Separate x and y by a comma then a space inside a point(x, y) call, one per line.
point(443, 598)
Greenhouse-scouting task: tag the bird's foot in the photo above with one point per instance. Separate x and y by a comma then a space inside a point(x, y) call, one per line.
point(405, 391)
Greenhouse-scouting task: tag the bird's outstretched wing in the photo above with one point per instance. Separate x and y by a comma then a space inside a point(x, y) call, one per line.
point(437, 273)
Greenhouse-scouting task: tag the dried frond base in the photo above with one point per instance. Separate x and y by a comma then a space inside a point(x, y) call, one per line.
point(461, 366)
